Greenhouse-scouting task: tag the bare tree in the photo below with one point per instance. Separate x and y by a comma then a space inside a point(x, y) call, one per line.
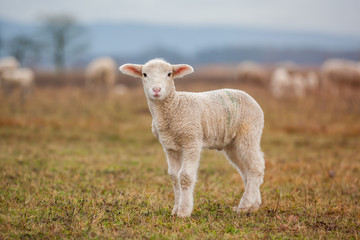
point(23, 47)
point(64, 38)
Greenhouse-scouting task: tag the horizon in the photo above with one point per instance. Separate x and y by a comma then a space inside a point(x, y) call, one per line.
point(186, 26)
point(193, 44)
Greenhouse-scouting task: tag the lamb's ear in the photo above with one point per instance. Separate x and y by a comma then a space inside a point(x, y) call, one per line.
point(131, 69)
point(181, 70)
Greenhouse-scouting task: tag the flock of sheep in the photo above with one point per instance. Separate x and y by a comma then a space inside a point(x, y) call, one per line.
point(289, 79)
point(284, 80)
point(100, 77)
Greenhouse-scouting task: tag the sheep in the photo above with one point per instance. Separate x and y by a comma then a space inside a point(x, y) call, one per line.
point(253, 73)
point(340, 73)
point(280, 82)
point(185, 122)
point(313, 81)
point(101, 75)
point(22, 78)
point(285, 82)
point(298, 84)
point(7, 64)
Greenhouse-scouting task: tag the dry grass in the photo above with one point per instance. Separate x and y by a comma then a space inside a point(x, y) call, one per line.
point(72, 166)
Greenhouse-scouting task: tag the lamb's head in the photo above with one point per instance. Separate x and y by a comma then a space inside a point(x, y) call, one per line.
point(157, 76)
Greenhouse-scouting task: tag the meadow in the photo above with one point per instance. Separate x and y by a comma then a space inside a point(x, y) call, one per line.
point(78, 166)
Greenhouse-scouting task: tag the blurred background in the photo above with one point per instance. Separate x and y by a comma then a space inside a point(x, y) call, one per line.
point(69, 34)
point(55, 39)
point(304, 52)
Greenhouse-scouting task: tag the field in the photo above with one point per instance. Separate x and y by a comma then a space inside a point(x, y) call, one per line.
point(75, 166)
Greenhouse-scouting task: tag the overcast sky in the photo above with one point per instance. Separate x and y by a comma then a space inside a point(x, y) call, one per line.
point(340, 17)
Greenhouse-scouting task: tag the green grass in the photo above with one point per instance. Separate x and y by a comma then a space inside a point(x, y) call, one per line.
point(75, 167)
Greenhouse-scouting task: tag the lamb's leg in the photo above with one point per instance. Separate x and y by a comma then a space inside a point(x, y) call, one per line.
point(233, 156)
point(187, 176)
point(255, 164)
point(174, 164)
point(251, 165)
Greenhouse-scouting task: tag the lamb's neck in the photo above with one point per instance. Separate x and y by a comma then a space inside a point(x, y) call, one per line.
point(163, 109)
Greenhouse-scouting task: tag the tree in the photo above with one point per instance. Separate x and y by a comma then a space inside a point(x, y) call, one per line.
point(23, 47)
point(64, 38)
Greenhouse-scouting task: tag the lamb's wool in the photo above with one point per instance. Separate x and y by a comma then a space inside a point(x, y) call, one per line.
point(186, 122)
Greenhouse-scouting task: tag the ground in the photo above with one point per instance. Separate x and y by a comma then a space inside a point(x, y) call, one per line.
point(75, 166)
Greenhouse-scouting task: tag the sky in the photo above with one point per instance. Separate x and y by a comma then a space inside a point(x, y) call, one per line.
point(338, 17)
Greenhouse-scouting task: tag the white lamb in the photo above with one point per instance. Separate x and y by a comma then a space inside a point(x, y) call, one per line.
point(21, 78)
point(101, 75)
point(186, 122)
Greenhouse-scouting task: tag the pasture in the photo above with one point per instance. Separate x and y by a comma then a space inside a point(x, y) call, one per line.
point(79, 166)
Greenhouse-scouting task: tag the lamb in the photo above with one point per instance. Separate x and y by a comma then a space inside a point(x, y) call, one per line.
point(101, 75)
point(186, 122)
point(22, 78)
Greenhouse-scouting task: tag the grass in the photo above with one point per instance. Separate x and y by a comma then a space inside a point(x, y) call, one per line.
point(72, 166)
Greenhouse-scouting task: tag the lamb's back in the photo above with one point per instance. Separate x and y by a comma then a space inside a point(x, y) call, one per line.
point(224, 113)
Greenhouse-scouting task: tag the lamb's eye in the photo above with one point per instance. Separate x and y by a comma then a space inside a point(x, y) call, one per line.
point(144, 74)
point(169, 74)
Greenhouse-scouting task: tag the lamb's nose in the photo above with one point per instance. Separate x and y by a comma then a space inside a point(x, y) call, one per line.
point(156, 89)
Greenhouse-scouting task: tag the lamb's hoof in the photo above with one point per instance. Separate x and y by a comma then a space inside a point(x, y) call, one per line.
point(183, 213)
point(247, 209)
point(174, 210)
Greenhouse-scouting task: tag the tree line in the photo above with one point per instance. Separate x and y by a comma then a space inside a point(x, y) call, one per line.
point(58, 39)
